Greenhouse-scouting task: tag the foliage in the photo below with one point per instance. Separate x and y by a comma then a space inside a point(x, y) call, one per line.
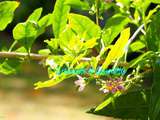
point(104, 37)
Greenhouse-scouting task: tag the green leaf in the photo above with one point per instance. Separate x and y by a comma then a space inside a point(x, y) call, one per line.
point(21, 49)
point(155, 1)
point(47, 83)
point(44, 52)
point(154, 109)
point(25, 33)
point(9, 66)
point(127, 106)
point(52, 82)
point(78, 4)
point(59, 18)
point(107, 101)
point(141, 6)
point(137, 46)
point(152, 12)
point(83, 26)
point(67, 35)
point(52, 44)
point(152, 34)
point(117, 51)
point(141, 58)
point(73, 47)
point(94, 62)
point(7, 9)
point(113, 27)
point(90, 43)
point(35, 15)
point(45, 21)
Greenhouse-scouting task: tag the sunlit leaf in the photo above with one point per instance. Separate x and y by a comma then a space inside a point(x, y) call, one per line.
point(44, 52)
point(137, 46)
point(52, 82)
point(35, 15)
point(118, 49)
point(78, 4)
point(113, 27)
point(59, 18)
point(45, 21)
point(25, 33)
point(83, 25)
point(155, 1)
point(7, 9)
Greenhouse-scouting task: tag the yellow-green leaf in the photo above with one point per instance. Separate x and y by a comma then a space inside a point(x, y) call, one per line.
point(7, 9)
point(118, 49)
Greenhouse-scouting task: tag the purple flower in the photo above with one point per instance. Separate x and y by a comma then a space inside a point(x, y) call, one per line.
point(80, 83)
point(113, 85)
point(114, 90)
point(120, 87)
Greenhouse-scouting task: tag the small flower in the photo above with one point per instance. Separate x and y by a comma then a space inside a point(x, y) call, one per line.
point(120, 87)
point(51, 63)
point(113, 85)
point(80, 83)
point(104, 90)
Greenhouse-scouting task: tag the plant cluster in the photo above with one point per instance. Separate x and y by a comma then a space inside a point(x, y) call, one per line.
point(110, 32)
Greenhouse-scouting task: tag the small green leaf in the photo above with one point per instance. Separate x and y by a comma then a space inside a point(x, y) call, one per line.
point(35, 15)
point(51, 82)
point(59, 18)
point(45, 21)
point(44, 52)
point(53, 44)
point(83, 26)
point(94, 62)
point(137, 46)
point(25, 33)
point(107, 101)
point(47, 83)
point(9, 66)
point(90, 43)
point(78, 4)
point(7, 9)
point(141, 6)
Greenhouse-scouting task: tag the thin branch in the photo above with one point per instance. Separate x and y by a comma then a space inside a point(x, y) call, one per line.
point(39, 57)
point(33, 56)
point(97, 12)
point(135, 34)
point(132, 38)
